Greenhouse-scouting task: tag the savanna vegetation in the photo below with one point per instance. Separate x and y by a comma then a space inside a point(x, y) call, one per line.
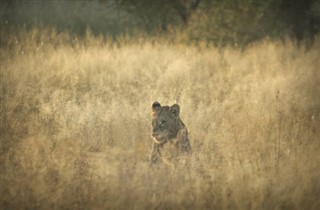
point(75, 121)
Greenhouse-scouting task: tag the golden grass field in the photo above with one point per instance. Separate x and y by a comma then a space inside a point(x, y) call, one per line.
point(76, 128)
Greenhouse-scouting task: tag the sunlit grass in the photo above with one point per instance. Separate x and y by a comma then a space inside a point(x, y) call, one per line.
point(75, 123)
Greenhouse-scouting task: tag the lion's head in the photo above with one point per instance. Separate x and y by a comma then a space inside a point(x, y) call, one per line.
point(165, 122)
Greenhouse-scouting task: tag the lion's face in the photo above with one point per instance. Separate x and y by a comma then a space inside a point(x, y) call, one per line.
point(165, 122)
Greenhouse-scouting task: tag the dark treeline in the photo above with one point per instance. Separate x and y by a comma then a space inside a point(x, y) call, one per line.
point(235, 22)
point(230, 21)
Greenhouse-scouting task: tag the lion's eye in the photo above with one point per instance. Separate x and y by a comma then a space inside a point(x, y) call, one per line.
point(163, 122)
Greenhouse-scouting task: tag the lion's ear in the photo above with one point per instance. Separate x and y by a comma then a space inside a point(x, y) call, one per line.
point(156, 106)
point(175, 110)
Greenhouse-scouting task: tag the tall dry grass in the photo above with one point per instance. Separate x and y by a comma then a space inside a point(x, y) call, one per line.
point(75, 123)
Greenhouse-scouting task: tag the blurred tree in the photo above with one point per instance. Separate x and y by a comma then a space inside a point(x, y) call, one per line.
point(6, 8)
point(297, 15)
point(161, 13)
point(233, 22)
point(240, 22)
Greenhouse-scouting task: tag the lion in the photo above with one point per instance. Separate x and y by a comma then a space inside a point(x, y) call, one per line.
point(170, 135)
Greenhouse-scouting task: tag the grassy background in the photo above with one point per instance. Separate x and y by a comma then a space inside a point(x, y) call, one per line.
point(75, 123)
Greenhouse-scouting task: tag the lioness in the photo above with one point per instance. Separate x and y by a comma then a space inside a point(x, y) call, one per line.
point(170, 135)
